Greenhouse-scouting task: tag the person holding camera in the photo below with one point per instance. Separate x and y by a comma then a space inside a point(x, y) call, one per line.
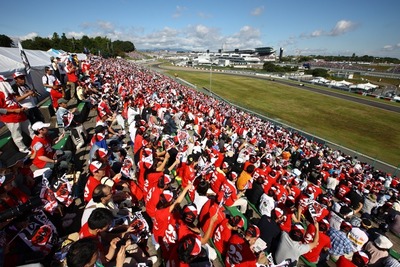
point(43, 154)
point(14, 117)
point(27, 97)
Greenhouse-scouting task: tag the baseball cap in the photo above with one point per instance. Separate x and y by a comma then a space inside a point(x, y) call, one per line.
point(190, 213)
point(278, 212)
point(191, 244)
point(18, 74)
point(346, 226)
point(297, 232)
point(168, 195)
point(95, 166)
point(62, 101)
point(360, 258)
point(107, 181)
point(167, 179)
point(225, 165)
point(236, 221)
point(40, 125)
point(102, 152)
point(383, 242)
point(253, 231)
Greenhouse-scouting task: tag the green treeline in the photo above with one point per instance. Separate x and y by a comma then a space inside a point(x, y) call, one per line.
point(95, 45)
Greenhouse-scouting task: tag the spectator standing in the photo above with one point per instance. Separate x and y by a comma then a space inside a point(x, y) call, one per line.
point(27, 98)
point(61, 68)
point(48, 79)
point(72, 78)
point(15, 119)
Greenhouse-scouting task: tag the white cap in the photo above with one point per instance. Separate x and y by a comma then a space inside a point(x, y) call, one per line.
point(39, 125)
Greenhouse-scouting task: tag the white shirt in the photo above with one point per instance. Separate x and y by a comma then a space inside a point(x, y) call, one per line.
point(28, 102)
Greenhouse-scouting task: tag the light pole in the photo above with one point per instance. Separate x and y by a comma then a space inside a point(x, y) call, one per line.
point(210, 77)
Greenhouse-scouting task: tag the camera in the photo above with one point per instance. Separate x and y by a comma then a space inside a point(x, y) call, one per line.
point(38, 94)
point(120, 243)
point(20, 209)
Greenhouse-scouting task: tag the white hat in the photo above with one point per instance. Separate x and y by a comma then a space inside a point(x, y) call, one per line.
point(107, 181)
point(40, 125)
point(383, 242)
point(18, 74)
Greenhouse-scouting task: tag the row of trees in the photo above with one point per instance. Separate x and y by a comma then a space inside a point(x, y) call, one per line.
point(86, 44)
point(271, 67)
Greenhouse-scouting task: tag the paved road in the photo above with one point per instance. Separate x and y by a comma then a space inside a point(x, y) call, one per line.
point(359, 100)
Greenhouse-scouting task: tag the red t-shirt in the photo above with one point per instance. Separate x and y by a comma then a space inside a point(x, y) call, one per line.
point(161, 221)
point(10, 103)
point(55, 95)
point(239, 253)
point(43, 147)
point(221, 237)
point(84, 232)
point(324, 242)
point(208, 210)
point(151, 181)
point(152, 199)
point(90, 186)
point(216, 181)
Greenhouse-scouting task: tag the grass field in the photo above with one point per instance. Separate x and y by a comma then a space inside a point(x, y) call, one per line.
point(366, 129)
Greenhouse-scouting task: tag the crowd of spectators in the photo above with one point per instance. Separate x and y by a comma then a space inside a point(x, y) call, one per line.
point(183, 183)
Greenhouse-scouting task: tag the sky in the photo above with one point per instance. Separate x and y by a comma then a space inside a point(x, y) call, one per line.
point(307, 27)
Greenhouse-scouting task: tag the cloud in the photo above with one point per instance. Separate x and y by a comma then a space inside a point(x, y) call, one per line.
point(100, 25)
point(204, 15)
point(30, 35)
point(192, 37)
point(76, 35)
point(342, 27)
point(391, 47)
point(257, 11)
point(178, 11)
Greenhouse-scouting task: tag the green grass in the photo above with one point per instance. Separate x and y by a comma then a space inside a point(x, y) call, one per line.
point(366, 129)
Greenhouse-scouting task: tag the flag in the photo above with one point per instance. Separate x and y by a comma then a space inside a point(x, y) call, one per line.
point(25, 61)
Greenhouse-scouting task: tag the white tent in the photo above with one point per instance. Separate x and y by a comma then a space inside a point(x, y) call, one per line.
point(10, 62)
point(364, 86)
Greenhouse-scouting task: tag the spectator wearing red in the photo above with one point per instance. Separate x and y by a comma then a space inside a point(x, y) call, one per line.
point(14, 118)
point(44, 156)
point(240, 252)
point(314, 255)
point(72, 77)
point(164, 228)
point(359, 259)
point(224, 231)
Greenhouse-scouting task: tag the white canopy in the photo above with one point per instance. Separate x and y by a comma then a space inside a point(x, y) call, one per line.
point(364, 86)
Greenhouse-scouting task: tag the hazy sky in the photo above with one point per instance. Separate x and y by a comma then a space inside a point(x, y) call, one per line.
point(340, 27)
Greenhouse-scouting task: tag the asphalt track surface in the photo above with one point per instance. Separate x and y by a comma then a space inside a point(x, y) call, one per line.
point(359, 100)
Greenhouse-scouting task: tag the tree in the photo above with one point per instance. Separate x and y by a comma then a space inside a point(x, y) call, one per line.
point(6, 41)
point(318, 72)
point(55, 41)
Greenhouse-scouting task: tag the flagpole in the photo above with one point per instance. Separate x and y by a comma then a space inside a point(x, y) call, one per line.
point(25, 61)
